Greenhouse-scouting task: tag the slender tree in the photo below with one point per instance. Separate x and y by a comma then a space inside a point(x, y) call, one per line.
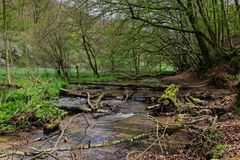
point(6, 44)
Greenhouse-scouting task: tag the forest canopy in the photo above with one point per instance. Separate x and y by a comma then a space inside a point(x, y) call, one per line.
point(135, 37)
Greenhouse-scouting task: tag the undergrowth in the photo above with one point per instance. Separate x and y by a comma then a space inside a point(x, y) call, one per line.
point(22, 107)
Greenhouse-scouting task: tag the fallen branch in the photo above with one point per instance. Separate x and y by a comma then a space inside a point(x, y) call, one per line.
point(89, 101)
point(35, 153)
point(76, 108)
point(70, 93)
point(98, 100)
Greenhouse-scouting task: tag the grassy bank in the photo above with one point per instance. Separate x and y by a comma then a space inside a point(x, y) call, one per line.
point(20, 75)
point(30, 105)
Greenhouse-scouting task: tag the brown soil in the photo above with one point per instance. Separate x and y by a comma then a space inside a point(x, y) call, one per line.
point(227, 125)
point(185, 79)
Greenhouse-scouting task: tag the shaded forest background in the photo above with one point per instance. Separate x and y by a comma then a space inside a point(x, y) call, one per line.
point(133, 37)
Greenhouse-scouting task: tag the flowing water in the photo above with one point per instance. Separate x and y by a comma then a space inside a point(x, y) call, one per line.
point(130, 120)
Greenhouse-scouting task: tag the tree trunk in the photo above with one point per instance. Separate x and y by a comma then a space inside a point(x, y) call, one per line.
point(238, 13)
point(112, 60)
point(225, 20)
point(6, 47)
point(204, 48)
point(91, 58)
point(211, 33)
point(78, 74)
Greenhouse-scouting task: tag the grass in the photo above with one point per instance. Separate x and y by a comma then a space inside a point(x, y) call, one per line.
point(19, 75)
point(29, 105)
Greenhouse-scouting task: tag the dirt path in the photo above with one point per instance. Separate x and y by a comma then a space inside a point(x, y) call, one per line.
point(185, 79)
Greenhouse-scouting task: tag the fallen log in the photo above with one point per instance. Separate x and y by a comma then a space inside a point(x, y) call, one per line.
point(75, 108)
point(70, 93)
point(132, 86)
point(135, 85)
point(82, 109)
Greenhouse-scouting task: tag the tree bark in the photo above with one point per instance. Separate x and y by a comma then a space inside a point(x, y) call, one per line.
point(78, 74)
point(225, 23)
point(91, 58)
point(204, 48)
point(6, 46)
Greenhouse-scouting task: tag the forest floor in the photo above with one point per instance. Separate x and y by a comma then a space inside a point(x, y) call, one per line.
point(224, 143)
point(211, 125)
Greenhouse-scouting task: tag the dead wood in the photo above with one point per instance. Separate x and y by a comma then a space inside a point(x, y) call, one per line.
point(39, 153)
point(76, 108)
point(70, 93)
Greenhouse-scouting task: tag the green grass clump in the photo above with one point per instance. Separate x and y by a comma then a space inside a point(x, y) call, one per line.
point(211, 134)
point(215, 152)
point(52, 90)
point(49, 111)
point(23, 107)
point(237, 111)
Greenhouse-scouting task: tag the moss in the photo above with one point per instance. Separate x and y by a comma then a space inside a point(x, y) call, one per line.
point(195, 100)
point(180, 118)
point(53, 126)
point(170, 94)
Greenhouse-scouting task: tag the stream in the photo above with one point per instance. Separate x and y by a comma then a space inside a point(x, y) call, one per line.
point(129, 120)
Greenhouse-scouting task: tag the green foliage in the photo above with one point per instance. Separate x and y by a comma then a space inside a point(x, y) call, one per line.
point(216, 151)
point(32, 99)
point(6, 128)
point(53, 88)
point(211, 135)
point(48, 112)
point(237, 110)
point(226, 77)
point(238, 77)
